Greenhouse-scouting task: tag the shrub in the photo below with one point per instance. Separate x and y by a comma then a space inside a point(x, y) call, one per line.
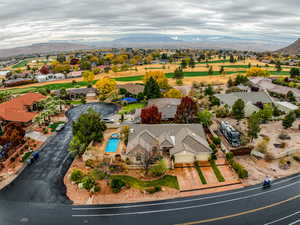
point(76, 176)
point(239, 169)
point(159, 169)
point(89, 163)
point(229, 155)
point(216, 140)
point(117, 184)
point(98, 174)
point(95, 189)
point(88, 182)
point(297, 158)
point(26, 156)
point(153, 190)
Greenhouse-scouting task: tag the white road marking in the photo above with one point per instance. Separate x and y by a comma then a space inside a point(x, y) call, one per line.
point(282, 218)
point(180, 201)
point(295, 222)
point(187, 207)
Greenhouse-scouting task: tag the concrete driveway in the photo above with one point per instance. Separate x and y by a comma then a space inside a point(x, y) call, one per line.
point(43, 181)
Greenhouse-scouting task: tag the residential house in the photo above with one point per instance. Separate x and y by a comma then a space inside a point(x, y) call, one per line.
point(250, 99)
point(134, 89)
point(20, 109)
point(76, 93)
point(184, 143)
point(167, 107)
point(49, 77)
point(266, 84)
point(74, 74)
point(286, 107)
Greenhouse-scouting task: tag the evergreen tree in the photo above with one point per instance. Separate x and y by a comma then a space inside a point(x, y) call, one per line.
point(210, 71)
point(294, 72)
point(152, 89)
point(253, 126)
point(222, 70)
point(178, 74)
point(192, 63)
point(238, 109)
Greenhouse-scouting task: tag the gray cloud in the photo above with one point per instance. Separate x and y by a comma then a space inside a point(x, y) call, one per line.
point(24, 22)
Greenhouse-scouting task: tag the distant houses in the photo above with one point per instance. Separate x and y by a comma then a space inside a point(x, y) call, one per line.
point(49, 77)
point(262, 83)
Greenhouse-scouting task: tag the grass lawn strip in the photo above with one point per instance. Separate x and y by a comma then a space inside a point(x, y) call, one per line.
point(216, 171)
point(166, 181)
point(201, 176)
point(20, 64)
point(130, 107)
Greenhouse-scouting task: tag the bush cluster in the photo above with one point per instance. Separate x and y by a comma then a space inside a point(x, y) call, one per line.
point(117, 184)
point(153, 190)
point(239, 169)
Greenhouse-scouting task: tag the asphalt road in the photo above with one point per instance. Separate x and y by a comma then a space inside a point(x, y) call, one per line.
point(43, 180)
point(248, 206)
point(37, 197)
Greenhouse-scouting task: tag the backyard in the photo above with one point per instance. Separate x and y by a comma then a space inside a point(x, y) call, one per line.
point(131, 107)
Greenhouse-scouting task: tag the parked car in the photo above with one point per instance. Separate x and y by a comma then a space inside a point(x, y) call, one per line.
point(108, 120)
point(60, 127)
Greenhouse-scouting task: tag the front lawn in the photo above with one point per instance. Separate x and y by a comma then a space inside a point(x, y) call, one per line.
point(130, 107)
point(53, 126)
point(166, 181)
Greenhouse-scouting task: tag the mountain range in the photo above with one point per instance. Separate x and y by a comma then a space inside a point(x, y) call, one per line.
point(158, 41)
point(292, 49)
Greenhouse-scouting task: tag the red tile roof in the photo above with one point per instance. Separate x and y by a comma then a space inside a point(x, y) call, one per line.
point(15, 110)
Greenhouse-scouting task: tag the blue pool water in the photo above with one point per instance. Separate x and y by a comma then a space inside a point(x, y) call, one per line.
point(112, 145)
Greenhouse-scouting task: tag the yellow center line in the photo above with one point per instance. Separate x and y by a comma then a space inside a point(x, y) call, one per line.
point(241, 213)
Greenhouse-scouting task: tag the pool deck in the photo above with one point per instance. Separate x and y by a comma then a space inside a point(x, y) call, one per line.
point(107, 136)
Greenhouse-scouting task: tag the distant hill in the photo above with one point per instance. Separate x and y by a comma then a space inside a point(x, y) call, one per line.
point(292, 49)
point(42, 48)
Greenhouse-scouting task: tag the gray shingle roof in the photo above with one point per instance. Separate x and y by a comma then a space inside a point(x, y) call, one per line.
point(183, 137)
point(247, 97)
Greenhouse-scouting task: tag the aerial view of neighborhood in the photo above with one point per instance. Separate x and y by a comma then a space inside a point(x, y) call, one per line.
point(149, 113)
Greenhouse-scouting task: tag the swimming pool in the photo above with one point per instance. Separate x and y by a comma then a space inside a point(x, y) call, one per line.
point(112, 144)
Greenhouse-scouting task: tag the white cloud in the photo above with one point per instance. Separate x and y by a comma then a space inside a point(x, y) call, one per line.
point(25, 22)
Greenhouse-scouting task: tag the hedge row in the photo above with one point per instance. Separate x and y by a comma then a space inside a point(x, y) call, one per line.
point(239, 169)
point(217, 171)
point(202, 178)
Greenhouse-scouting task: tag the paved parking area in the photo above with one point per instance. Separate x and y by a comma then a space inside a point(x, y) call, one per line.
point(38, 136)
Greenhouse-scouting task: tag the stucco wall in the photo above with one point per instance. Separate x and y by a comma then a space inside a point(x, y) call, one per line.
point(184, 158)
point(204, 156)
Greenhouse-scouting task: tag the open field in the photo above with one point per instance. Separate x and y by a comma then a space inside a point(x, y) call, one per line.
point(199, 74)
point(20, 64)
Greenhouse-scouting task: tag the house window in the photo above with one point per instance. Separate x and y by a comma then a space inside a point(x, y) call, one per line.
point(138, 157)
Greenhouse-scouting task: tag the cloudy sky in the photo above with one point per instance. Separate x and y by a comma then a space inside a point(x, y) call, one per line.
point(24, 22)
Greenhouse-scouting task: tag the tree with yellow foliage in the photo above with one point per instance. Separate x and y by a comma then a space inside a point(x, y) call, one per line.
point(106, 87)
point(159, 77)
point(257, 72)
point(88, 76)
point(173, 93)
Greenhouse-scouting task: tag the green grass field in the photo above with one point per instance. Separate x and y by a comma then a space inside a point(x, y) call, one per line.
point(130, 107)
point(236, 66)
point(126, 79)
point(20, 64)
point(216, 61)
point(166, 181)
point(280, 73)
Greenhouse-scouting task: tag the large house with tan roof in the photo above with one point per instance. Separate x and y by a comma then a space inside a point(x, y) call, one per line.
point(20, 109)
point(184, 143)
